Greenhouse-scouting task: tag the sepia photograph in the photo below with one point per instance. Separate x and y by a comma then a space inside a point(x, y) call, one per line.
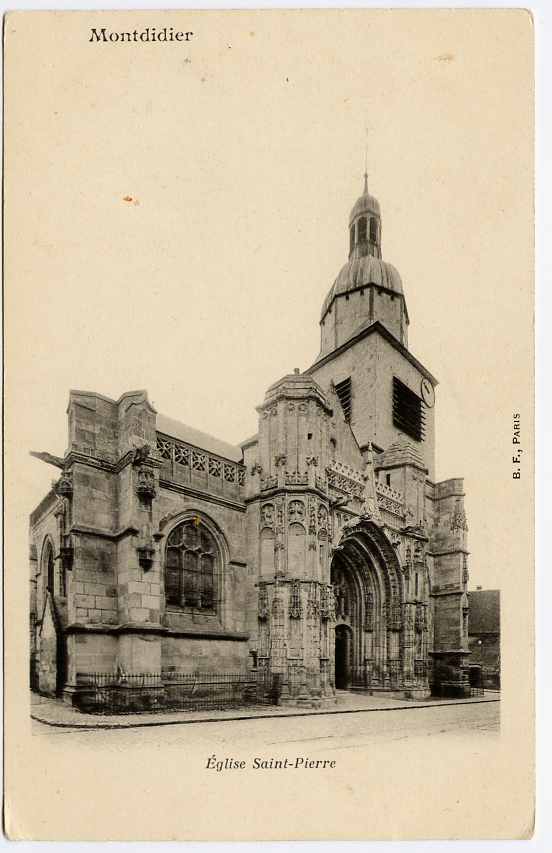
point(269, 300)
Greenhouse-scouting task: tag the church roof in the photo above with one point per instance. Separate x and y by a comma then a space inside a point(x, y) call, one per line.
point(360, 272)
point(176, 429)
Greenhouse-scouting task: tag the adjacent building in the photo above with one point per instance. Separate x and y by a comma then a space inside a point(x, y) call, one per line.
point(484, 634)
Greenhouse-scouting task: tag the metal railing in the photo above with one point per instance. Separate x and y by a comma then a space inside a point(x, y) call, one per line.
point(112, 693)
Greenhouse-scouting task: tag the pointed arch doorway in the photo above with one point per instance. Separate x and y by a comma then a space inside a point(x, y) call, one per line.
point(348, 605)
point(368, 596)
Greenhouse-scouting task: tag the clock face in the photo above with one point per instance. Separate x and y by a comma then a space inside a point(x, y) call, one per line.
point(428, 394)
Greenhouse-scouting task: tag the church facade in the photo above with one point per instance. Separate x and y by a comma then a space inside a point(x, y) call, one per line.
point(320, 551)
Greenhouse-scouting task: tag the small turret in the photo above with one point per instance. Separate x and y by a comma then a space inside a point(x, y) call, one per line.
point(365, 226)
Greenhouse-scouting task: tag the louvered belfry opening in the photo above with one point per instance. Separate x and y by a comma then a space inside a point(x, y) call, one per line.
point(343, 391)
point(408, 411)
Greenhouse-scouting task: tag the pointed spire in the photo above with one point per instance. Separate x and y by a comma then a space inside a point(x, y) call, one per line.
point(366, 164)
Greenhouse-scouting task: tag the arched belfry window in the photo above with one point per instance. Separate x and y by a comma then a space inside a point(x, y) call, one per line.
point(374, 230)
point(191, 562)
point(351, 238)
point(362, 230)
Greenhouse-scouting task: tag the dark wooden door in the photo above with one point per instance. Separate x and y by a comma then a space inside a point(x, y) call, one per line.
point(342, 657)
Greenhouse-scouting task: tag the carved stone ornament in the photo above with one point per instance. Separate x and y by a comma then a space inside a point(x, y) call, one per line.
point(146, 553)
point(296, 511)
point(368, 455)
point(256, 469)
point(64, 486)
point(313, 607)
point(295, 605)
point(60, 509)
point(458, 521)
point(279, 515)
point(145, 487)
point(263, 602)
point(312, 460)
point(312, 518)
point(140, 454)
point(327, 603)
point(394, 616)
point(370, 509)
point(267, 515)
point(280, 460)
point(418, 553)
point(369, 611)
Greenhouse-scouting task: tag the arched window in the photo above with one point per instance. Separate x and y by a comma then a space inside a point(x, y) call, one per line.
point(374, 230)
point(190, 566)
point(49, 567)
point(362, 230)
point(351, 238)
point(267, 552)
point(296, 548)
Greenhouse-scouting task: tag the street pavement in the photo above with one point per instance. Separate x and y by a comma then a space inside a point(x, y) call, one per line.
point(320, 734)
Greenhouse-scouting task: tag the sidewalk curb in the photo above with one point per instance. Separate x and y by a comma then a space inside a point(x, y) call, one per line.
point(285, 715)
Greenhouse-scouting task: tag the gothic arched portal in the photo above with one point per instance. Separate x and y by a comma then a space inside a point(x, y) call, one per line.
point(368, 594)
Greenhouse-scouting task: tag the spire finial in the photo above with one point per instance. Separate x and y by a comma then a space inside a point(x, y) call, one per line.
point(366, 161)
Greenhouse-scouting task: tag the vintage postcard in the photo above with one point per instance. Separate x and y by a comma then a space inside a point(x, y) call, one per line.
point(269, 425)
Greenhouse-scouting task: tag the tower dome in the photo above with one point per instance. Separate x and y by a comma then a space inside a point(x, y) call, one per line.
point(367, 289)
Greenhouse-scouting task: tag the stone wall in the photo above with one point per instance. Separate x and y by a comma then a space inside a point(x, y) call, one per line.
point(204, 655)
point(48, 653)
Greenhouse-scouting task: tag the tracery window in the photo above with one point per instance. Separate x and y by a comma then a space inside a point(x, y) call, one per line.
point(190, 566)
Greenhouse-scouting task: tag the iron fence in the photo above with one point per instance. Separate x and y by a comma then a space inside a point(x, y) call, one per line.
point(110, 693)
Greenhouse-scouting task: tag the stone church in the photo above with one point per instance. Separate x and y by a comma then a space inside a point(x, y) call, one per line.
point(321, 550)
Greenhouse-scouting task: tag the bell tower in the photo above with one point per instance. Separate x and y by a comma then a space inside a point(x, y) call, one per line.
point(386, 394)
